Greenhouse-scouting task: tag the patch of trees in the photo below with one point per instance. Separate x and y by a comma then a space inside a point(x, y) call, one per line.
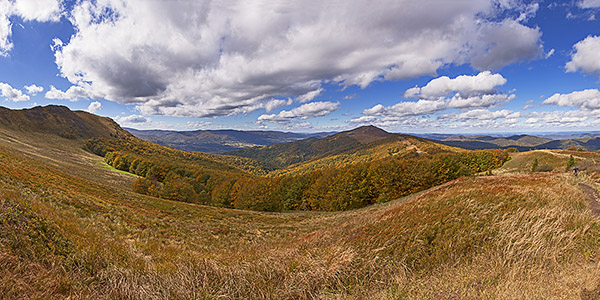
point(177, 177)
point(170, 179)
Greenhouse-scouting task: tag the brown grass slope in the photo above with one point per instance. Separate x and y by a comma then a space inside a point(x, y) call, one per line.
point(70, 228)
point(551, 161)
point(60, 120)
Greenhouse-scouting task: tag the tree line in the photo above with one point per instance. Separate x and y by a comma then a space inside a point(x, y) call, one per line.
point(171, 174)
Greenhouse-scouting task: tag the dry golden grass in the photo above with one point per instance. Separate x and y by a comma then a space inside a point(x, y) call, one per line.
point(72, 229)
point(551, 160)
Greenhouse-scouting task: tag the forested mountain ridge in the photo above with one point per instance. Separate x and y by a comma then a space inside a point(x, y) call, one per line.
point(523, 142)
point(283, 155)
point(588, 144)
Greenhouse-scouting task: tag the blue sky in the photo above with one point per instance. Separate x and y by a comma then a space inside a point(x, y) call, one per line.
point(459, 66)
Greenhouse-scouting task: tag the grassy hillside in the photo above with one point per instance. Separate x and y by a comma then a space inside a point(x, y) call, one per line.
point(357, 168)
point(551, 161)
point(61, 121)
point(72, 228)
point(192, 177)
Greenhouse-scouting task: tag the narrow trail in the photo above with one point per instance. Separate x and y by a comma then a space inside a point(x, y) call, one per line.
point(593, 198)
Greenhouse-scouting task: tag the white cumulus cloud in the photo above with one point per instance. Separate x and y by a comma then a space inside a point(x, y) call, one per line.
point(37, 10)
point(402, 109)
point(586, 56)
point(465, 85)
point(479, 91)
point(310, 96)
point(559, 118)
point(478, 101)
point(586, 99)
point(132, 119)
point(304, 111)
point(483, 114)
point(73, 93)
point(7, 91)
point(94, 107)
point(5, 28)
point(214, 58)
point(33, 89)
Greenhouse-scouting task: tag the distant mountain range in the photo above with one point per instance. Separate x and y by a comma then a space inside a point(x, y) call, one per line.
point(242, 143)
point(219, 141)
point(523, 142)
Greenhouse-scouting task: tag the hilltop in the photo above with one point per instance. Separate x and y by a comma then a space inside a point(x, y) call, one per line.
point(60, 120)
point(252, 142)
point(353, 169)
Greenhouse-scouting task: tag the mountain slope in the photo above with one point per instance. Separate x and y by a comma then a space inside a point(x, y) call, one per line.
point(60, 120)
point(218, 141)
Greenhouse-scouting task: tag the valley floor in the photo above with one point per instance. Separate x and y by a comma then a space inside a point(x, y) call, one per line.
point(72, 228)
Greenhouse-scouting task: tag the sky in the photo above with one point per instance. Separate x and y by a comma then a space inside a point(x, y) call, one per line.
point(414, 66)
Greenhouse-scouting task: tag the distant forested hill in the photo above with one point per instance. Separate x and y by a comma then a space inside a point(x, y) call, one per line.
point(286, 154)
point(521, 142)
